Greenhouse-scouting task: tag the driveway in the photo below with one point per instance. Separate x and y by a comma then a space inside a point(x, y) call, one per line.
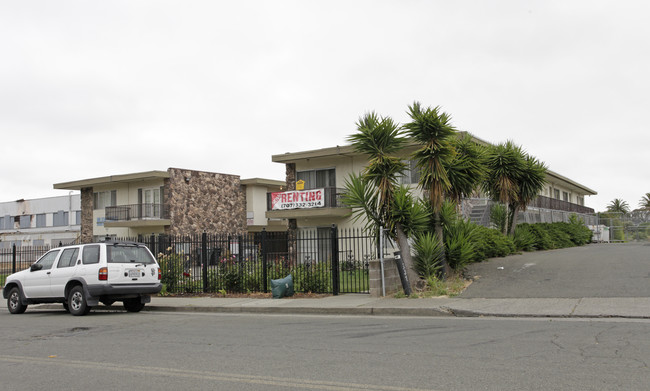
point(594, 270)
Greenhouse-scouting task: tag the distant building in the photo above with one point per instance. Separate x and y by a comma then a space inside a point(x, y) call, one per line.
point(176, 201)
point(40, 222)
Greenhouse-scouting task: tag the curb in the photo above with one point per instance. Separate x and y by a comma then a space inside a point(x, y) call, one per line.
point(348, 311)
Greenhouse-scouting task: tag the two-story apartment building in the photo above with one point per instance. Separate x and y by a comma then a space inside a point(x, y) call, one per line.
point(175, 201)
point(322, 174)
point(40, 222)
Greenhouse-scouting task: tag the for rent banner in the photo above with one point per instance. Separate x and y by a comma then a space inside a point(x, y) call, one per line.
point(314, 198)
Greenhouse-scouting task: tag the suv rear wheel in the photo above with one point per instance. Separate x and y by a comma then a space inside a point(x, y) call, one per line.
point(77, 302)
point(13, 302)
point(133, 305)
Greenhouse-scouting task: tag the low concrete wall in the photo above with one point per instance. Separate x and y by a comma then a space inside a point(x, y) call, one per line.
point(391, 277)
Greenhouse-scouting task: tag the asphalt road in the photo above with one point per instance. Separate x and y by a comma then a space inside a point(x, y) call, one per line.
point(51, 350)
point(595, 270)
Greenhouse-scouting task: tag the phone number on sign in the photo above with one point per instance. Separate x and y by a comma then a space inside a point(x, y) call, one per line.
point(299, 205)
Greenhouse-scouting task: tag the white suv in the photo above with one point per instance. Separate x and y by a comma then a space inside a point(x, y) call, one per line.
point(83, 275)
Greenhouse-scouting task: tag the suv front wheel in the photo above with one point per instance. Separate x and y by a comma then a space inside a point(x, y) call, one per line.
point(14, 304)
point(77, 302)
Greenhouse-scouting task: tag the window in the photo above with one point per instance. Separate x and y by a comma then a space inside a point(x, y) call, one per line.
point(25, 221)
point(68, 258)
point(556, 194)
point(90, 255)
point(2, 223)
point(128, 254)
point(8, 222)
point(411, 175)
point(77, 217)
point(38, 242)
point(315, 179)
point(40, 220)
point(565, 196)
point(102, 199)
point(60, 219)
point(48, 259)
point(581, 200)
point(150, 201)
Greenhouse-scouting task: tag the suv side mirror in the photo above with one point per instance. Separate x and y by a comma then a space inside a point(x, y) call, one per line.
point(36, 266)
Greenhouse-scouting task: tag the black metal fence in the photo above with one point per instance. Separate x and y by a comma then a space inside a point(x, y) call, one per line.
point(322, 260)
point(15, 258)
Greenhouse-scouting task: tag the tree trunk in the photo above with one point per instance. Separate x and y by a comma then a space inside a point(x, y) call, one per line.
point(506, 225)
point(513, 225)
point(405, 249)
point(446, 270)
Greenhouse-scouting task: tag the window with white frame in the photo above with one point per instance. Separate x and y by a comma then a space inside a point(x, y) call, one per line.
point(102, 199)
point(411, 175)
point(315, 179)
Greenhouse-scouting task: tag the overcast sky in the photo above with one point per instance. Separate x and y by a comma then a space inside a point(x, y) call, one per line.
point(89, 89)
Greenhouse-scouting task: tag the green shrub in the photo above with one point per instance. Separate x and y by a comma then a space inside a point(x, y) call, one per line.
point(579, 232)
point(491, 243)
point(524, 238)
point(428, 254)
point(498, 216)
point(312, 277)
point(543, 240)
point(232, 281)
point(460, 238)
point(172, 267)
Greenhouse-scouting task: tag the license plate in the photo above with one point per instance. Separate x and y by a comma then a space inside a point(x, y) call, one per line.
point(134, 273)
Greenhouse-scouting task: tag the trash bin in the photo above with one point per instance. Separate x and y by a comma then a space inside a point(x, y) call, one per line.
point(282, 287)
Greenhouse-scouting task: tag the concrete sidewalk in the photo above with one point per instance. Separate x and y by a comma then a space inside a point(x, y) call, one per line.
point(356, 304)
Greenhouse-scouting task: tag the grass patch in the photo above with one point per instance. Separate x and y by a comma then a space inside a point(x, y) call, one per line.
point(453, 286)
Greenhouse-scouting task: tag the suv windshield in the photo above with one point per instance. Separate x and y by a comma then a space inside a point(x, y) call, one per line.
point(128, 254)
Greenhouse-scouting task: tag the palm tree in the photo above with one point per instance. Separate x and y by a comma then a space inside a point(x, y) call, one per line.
point(645, 202)
point(432, 131)
point(375, 193)
point(380, 139)
point(529, 184)
point(506, 165)
point(618, 206)
point(466, 169)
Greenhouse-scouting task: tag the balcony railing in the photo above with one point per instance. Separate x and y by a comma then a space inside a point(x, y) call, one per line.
point(555, 204)
point(136, 212)
point(331, 197)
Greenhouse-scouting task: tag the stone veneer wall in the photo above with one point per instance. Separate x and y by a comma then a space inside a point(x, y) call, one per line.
point(87, 208)
point(291, 176)
point(205, 202)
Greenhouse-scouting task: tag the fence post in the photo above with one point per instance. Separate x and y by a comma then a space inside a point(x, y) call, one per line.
point(335, 259)
point(204, 260)
point(152, 245)
point(265, 272)
point(13, 257)
point(240, 241)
